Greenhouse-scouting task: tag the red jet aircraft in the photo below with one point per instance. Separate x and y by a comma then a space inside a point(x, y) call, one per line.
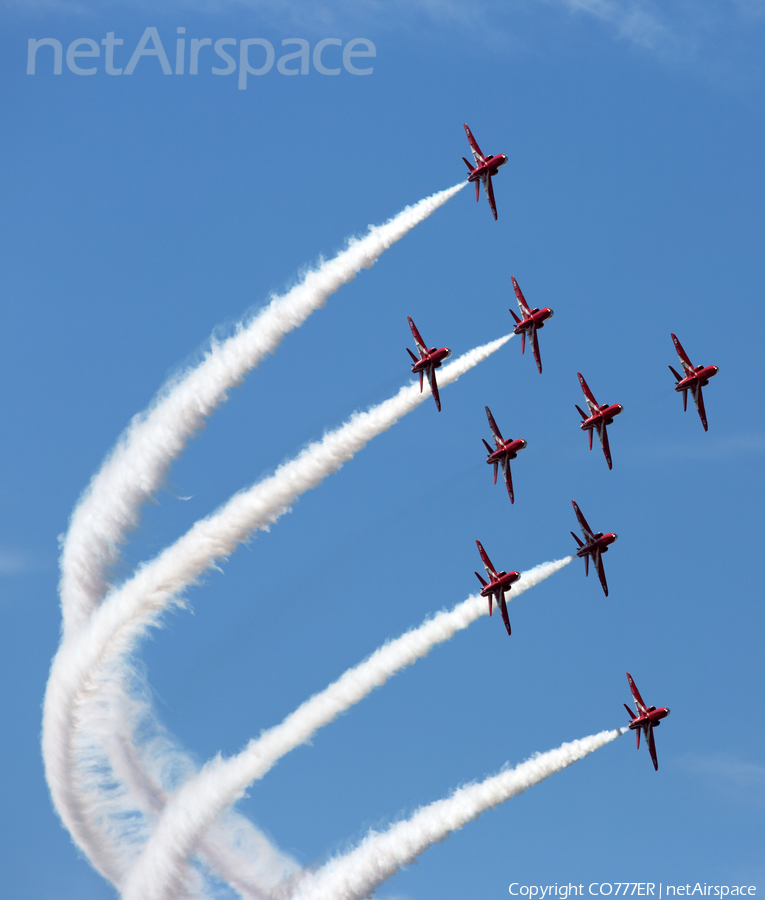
point(428, 362)
point(531, 321)
point(599, 417)
point(695, 379)
point(647, 719)
point(595, 545)
point(485, 167)
point(499, 584)
point(505, 451)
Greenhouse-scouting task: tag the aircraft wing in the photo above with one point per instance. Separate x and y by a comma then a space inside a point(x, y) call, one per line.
point(503, 609)
point(418, 339)
point(636, 694)
point(477, 155)
point(592, 403)
point(535, 346)
point(586, 530)
point(685, 362)
point(508, 477)
point(493, 425)
point(487, 186)
point(601, 571)
point(652, 748)
point(486, 561)
point(698, 399)
point(603, 435)
point(525, 308)
point(431, 373)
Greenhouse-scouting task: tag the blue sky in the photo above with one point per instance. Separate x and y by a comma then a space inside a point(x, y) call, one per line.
point(143, 212)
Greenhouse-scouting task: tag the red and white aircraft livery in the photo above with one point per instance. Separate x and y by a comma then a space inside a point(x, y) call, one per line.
point(599, 417)
point(428, 362)
point(531, 320)
point(485, 167)
point(499, 584)
point(694, 380)
point(595, 545)
point(504, 452)
point(647, 719)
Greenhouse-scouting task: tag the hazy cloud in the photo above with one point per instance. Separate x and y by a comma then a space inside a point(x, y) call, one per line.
point(14, 562)
point(721, 448)
point(740, 781)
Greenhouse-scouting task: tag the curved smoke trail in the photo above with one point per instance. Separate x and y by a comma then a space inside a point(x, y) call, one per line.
point(137, 466)
point(126, 613)
point(356, 874)
point(160, 872)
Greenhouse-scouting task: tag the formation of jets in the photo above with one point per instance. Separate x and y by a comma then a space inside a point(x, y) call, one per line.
point(498, 585)
point(502, 454)
point(692, 380)
point(530, 322)
point(428, 362)
point(646, 720)
point(598, 419)
point(592, 545)
point(485, 167)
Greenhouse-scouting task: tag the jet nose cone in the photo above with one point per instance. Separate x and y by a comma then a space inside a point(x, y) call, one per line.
point(448, 353)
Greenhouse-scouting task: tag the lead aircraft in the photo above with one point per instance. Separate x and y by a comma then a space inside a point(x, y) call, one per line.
point(504, 452)
point(532, 319)
point(499, 584)
point(599, 417)
point(594, 545)
point(483, 170)
point(428, 362)
point(693, 380)
point(646, 720)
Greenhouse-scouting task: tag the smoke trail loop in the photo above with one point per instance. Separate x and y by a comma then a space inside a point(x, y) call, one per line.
point(133, 472)
point(159, 873)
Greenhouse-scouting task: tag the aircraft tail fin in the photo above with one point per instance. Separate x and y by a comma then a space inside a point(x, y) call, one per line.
point(488, 448)
point(517, 320)
point(582, 413)
point(630, 713)
point(480, 579)
point(581, 544)
point(677, 377)
point(414, 358)
point(472, 168)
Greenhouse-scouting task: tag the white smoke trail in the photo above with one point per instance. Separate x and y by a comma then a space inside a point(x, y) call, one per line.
point(138, 463)
point(137, 466)
point(146, 761)
point(127, 612)
point(380, 855)
point(160, 871)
